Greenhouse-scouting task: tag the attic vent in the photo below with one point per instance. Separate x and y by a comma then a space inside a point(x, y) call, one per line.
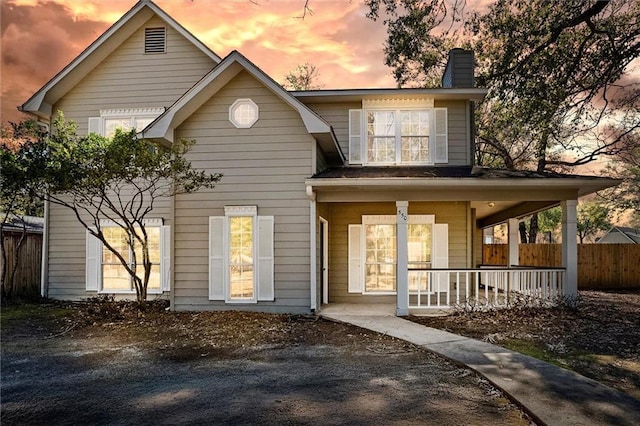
point(155, 40)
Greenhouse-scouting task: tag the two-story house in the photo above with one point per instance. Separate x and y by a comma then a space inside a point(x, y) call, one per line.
point(327, 196)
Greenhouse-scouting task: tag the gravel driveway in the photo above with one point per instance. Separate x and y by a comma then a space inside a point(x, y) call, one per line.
point(124, 374)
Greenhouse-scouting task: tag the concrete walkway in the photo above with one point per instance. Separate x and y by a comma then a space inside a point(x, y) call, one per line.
point(552, 395)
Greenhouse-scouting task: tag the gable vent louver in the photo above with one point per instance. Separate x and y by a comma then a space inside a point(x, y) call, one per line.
point(155, 40)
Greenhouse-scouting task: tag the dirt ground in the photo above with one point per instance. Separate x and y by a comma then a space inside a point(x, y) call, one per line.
point(600, 339)
point(103, 363)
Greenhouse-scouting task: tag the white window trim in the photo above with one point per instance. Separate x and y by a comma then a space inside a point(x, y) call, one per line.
point(241, 211)
point(105, 223)
point(97, 124)
point(428, 219)
point(238, 103)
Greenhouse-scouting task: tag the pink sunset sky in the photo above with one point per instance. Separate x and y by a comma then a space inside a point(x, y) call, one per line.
point(40, 37)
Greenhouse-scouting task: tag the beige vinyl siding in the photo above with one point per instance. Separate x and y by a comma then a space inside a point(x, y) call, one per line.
point(342, 214)
point(66, 255)
point(66, 251)
point(263, 166)
point(129, 78)
point(458, 128)
point(337, 115)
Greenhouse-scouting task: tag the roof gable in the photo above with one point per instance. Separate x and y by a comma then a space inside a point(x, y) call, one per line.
point(42, 101)
point(632, 234)
point(163, 127)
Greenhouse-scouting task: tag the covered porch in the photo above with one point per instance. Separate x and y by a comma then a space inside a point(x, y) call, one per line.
point(430, 256)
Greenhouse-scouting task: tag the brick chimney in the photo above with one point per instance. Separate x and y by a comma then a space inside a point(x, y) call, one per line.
point(459, 70)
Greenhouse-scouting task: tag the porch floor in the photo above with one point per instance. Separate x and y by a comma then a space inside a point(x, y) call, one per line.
point(360, 309)
point(534, 384)
point(366, 309)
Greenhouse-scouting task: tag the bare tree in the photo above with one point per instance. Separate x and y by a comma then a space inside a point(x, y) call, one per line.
point(302, 77)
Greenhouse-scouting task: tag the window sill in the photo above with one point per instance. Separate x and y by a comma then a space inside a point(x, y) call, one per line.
point(128, 292)
point(241, 302)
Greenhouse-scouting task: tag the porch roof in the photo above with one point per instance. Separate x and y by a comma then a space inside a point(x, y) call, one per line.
point(459, 177)
point(495, 194)
point(469, 172)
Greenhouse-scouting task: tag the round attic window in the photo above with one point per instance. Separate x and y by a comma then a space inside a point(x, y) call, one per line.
point(243, 113)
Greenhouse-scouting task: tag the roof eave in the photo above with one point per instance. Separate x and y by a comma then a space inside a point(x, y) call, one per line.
point(583, 186)
point(344, 95)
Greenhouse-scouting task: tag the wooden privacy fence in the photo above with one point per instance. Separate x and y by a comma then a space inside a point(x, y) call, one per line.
point(600, 266)
point(26, 282)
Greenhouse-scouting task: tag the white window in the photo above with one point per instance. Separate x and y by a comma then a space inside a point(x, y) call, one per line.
point(241, 256)
point(105, 272)
point(373, 251)
point(124, 119)
point(243, 113)
point(411, 136)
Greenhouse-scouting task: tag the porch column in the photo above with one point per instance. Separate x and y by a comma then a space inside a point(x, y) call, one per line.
point(570, 247)
point(513, 237)
point(402, 247)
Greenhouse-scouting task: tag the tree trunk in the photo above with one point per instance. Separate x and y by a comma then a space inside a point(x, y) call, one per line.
point(522, 229)
point(533, 228)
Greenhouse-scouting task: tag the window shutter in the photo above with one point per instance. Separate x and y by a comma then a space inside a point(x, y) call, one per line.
point(355, 259)
point(440, 254)
point(95, 124)
point(165, 263)
point(440, 136)
point(355, 136)
point(265, 282)
point(155, 40)
point(93, 262)
point(217, 270)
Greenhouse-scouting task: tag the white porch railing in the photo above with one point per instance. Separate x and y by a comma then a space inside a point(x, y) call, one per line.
point(446, 288)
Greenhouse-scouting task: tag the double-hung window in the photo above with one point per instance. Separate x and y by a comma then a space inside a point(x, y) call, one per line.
point(125, 119)
point(241, 256)
point(105, 271)
point(401, 136)
point(398, 137)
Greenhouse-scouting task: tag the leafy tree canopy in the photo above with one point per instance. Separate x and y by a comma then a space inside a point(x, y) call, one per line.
point(17, 200)
point(626, 196)
point(556, 71)
point(119, 179)
point(593, 217)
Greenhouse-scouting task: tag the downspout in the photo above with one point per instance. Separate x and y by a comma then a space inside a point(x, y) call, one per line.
point(312, 248)
point(172, 250)
point(44, 267)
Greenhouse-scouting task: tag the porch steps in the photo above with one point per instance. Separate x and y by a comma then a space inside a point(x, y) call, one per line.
point(550, 394)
